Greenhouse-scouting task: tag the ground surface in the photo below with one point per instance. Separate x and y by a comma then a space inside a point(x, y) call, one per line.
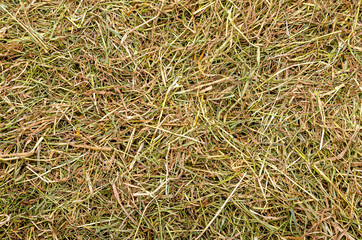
point(180, 119)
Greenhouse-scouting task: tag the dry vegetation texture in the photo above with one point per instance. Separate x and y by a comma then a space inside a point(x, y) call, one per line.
point(181, 119)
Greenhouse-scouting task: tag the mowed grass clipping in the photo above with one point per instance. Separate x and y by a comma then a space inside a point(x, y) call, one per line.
point(181, 119)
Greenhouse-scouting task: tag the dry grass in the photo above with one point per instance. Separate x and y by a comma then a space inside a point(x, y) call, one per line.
point(181, 119)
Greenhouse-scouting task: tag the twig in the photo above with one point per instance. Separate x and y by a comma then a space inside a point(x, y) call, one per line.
point(107, 149)
point(15, 156)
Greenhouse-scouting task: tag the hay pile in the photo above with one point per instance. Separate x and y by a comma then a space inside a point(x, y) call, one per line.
point(180, 119)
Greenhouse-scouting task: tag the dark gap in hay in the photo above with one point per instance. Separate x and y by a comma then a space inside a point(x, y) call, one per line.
point(76, 66)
